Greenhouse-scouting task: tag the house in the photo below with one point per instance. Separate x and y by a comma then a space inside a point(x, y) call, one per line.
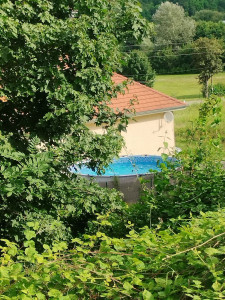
point(151, 129)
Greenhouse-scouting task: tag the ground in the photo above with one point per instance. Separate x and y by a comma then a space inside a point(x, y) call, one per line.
point(184, 87)
point(184, 119)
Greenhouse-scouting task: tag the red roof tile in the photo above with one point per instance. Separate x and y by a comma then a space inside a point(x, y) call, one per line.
point(147, 99)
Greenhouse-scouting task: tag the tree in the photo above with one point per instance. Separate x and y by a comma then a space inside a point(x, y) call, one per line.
point(210, 30)
point(207, 57)
point(171, 24)
point(190, 6)
point(167, 60)
point(139, 68)
point(50, 60)
point(209, 15)
point(56, 63)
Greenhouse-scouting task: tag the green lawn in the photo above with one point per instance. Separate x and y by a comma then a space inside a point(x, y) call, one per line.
point(186, 87)
point(184, 119)
point(183, 87)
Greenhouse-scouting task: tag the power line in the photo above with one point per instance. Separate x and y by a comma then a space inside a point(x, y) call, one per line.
point(175, 72)
point(155, 44)
point(184, 54)
point(160, 50)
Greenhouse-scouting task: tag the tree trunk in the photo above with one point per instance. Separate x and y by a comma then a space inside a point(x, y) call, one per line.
point(207, 89)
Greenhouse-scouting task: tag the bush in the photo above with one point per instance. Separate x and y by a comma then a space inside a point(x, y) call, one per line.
point(173, 60)
point(209, 15)
point(152, 264)
point(56, 66)
point(35, 187)
point(210, 30)
point(138, 67)
point(198, 184)
point(217, 89)
point(193, 183)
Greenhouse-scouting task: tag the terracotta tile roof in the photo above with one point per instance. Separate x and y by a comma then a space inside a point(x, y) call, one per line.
point(148, 99)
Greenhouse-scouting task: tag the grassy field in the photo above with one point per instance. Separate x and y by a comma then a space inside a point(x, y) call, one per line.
point(184, 87)
point(184, 120)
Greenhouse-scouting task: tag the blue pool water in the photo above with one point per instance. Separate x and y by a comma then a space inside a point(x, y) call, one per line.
point(130, 165)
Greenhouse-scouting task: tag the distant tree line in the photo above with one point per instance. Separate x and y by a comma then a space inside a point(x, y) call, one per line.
point(190, 6)
point(177, 44)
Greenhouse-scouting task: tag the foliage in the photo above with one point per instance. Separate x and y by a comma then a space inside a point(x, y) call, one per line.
point(210, 30)
point(56, 63)
point(56, 68)
point(149, 7)
point(139, 68)
point(207, 57)
point(195, 184)
point(34, 187)
point(198, 182)
point(170, 60)
point(196, 5)
point(217, 89)
point(171, 24)
point(190, 6)
point(184, 120)
point(209, 15)
point(153, 264)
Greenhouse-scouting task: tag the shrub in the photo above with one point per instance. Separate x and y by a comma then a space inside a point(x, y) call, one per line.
point(169, 60)
point(209, 15)
point(139, 68)
point(199, 183)
point(35, 187)
point(57, 61)
point(152, 264)
point(210, 30)
point(217, 89)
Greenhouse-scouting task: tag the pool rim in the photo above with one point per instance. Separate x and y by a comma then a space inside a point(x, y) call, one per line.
point(125, 175)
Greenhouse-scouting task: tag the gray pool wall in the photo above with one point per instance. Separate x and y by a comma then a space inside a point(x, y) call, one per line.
point(128, 185)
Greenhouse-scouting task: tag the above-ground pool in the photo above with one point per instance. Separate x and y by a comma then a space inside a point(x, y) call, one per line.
point(123, 174)
point(129, 165)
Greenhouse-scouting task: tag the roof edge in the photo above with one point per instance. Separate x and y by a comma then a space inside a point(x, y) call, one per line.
point(151, 112)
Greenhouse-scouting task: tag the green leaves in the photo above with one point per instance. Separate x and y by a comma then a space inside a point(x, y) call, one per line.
point(171, 24)
point(208, 60)
point(56, 63)
point(46, 79)
point(147, 295)
point(127, 286)
point(212, 251)
point(29, 234)
point(139, 68)
point(189, 263)
point(55, 294)
point(193, 183)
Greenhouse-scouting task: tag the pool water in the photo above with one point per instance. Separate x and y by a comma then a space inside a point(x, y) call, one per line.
point(130, 165)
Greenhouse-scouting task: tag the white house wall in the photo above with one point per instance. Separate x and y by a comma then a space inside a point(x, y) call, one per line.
point(146, 135)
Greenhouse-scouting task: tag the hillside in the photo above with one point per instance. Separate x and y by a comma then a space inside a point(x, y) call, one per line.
point(191, 7)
